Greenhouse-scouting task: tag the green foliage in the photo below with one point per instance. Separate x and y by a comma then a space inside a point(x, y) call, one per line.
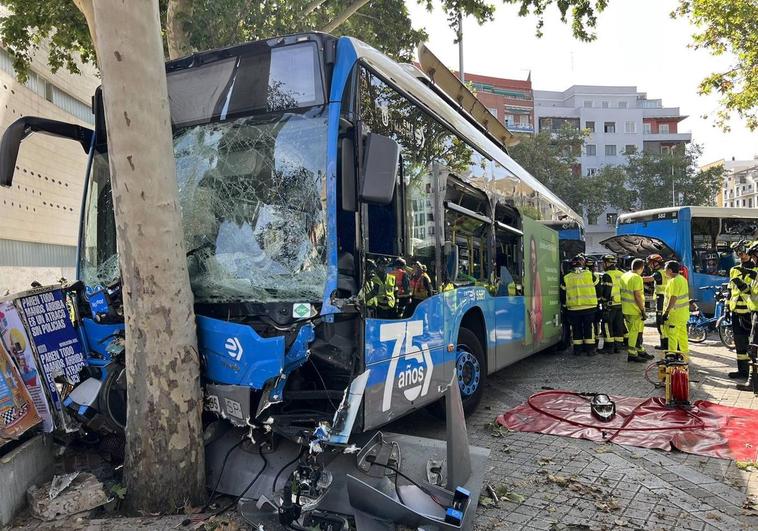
point(583, 14)
point(385, 25)
point(731, 27)
point(650, 177)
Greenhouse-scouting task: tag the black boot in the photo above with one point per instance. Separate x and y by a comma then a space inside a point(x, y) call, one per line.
point(664, 344)
point(752, 383)
point(743, 369)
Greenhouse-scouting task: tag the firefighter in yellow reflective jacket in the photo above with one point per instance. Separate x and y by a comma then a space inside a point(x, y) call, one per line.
point(379, 291)
point(676, 310)
point(752, 303)
point(581, 305)
point(740, 278)
point(613, 317)
point(633, 308)
point(655, 262)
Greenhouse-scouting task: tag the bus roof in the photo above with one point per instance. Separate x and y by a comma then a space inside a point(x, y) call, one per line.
point(695, 211)
point(409, 80)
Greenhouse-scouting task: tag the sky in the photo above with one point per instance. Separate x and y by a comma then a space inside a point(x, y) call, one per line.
point(637, 44)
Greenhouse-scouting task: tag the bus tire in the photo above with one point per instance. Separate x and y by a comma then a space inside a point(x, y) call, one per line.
point(470, 354)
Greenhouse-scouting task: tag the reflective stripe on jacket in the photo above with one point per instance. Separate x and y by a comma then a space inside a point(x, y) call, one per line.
point(615, 286)
point(677, 287)
point(738, 299)
point(630, 282)
point(580, 290)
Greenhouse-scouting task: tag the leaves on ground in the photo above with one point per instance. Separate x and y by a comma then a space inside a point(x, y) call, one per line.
point(603, 501)
point(495, 429)
point(746, 465)
point(501, 492)
point(544, 461)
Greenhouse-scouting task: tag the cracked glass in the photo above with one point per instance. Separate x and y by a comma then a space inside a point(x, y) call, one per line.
point(251, 175)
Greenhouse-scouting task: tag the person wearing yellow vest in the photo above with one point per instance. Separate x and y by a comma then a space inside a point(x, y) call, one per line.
point(752, 303)
point(589, 265)
point(379, 291)
point(421, 285)
point(613, 317)
point(655, 263)
point(740, 278)
point(676, 310)
point(633, 308)
point(581, 306)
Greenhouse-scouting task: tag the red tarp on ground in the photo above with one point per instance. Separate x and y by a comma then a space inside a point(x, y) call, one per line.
point(706, 429)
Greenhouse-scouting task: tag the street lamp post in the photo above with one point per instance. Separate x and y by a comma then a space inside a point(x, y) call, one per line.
point(460, 46)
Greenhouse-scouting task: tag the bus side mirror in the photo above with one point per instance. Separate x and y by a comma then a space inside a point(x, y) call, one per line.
point(451, 261)
point(380, 166)
point(27, 125)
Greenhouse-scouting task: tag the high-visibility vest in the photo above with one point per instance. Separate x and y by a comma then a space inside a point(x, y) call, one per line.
point(383, 293)
point(678, 287)
point(402, 281)
point(660, 289)
point(738, 300)
point(580, 290)
point(419, 287)
point(615, 275)
point(630, 282)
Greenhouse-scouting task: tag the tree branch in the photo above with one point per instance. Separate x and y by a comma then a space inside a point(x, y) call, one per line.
point(346, 14)
point(311, 7)
point(85, 6)
point(178, 15)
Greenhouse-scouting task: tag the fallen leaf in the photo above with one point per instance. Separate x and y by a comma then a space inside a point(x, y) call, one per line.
point(515, 497)
point(544, 461)
point(602, 449)
point(745, 465)
point(486, 501)
point(620, 522)
point(713, 516)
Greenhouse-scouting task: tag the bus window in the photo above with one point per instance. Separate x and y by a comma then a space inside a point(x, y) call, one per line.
point(508, 246)
point(712, 238)
point(467, 225)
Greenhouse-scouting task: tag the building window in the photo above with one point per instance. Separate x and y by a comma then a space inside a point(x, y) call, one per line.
point(588, 104)
point(591, 150)
point(591, 172)
point(610, 150)
point(609, 127)
point(590, 126)
point(493, 111)
point(630, 127)
point(630, 149)
point(622, 105)
point(666, 150)
point(611, 218)
point(509, 119)
point(663, 129)
point(647, 128)
point(604, 105)
point(750, 203)
point(591, 220)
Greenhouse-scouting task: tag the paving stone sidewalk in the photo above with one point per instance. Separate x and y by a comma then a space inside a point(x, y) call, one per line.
point(563, 483)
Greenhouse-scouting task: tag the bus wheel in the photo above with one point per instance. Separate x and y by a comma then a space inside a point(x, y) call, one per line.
point(471, 369)
point(471, 373)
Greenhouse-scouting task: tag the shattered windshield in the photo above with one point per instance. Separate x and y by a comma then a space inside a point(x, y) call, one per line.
point(250, 146)
point(253, 203)
point(253, 199)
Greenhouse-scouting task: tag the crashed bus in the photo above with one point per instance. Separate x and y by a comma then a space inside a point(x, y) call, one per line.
point(308, 166)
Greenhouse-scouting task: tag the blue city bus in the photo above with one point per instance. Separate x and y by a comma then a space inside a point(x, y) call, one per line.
point(306, 166)
point(571, 239)
point(699, 237)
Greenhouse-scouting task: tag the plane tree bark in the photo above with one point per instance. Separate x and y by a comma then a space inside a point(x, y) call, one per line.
point(164, 466)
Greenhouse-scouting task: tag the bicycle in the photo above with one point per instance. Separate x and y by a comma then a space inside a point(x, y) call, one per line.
point(699, 326)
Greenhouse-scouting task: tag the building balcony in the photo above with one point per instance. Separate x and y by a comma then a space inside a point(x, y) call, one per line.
point(520, 128)
point(667, 137)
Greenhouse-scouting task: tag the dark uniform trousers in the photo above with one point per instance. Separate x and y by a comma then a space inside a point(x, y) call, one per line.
point(582, 329)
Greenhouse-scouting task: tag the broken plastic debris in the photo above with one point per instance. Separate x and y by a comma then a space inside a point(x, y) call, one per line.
point(352, 449)
point(61, 483)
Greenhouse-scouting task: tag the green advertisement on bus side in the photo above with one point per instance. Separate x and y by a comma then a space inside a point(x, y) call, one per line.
point(541, 283)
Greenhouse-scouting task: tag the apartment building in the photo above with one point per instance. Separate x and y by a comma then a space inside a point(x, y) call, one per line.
point(39, 223)
point(739, 188)
point(511, 100)
point(621, 120)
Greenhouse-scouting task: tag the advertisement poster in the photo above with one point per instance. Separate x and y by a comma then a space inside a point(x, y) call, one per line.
point(59, 350)
point(16, 342)
point(17, 412)
point(541, 282)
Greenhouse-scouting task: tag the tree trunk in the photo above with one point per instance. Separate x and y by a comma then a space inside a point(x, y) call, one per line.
point(178, 16)
point(165, 465)
point(341, 18)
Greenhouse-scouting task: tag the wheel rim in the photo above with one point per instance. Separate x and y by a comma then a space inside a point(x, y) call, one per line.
point(727, 336)
point(696, 334)
point(468, 370)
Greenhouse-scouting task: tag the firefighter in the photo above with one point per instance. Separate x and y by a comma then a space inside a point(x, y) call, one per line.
point(752, 302)
point(421, 284)
point(402, 276)
point(613, 316)
point(676, 310)
point(581, 306)
point(655, 263)
point(740, 278)
point(597, 328)
point(633, 308)
point(379, 290)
